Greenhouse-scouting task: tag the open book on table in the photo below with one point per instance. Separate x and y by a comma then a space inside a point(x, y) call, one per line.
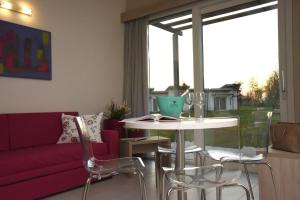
point(158, 117)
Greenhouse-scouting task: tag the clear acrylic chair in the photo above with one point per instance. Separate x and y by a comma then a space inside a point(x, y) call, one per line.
point(260, 126)
point(163, 151)
point(209, 174)
point(202, 178)
point(99, 169)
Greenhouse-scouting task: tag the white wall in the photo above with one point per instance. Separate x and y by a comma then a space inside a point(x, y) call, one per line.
point(87, 57)
point(136, 4)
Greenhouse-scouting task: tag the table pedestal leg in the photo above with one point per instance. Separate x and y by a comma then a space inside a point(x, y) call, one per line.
point(180, 158)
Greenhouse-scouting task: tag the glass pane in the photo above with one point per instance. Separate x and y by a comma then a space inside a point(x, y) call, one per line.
point(160, 59)
point(241, 73)
point(186, 69)
point(167, 37)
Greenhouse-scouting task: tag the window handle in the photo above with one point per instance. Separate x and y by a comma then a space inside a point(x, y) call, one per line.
point(283, 80)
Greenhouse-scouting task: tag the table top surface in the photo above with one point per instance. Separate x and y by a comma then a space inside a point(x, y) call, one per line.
point(182, 124)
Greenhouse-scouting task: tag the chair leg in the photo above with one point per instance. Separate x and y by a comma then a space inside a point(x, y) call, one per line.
point(246, 191)
point(159, 176)
point(239, 185)
point(142, 185)
point(203, 194)
point(169, 193)
point(218, 193)
point(86, 188)
point(157, 168)
point(202, 163)
point(249, 181)
point(201, 158)
point(198, 159)
point(159, 173)
point(272, 176)
point(162, 191)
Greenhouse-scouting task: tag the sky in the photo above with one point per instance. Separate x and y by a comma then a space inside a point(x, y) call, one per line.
point(234, 51)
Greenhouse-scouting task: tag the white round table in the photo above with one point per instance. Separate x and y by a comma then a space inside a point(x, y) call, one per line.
point(183, 124)
point(180, 126)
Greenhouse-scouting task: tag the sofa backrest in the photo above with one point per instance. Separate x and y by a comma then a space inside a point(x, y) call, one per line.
point(4, 135)
point(34, 129)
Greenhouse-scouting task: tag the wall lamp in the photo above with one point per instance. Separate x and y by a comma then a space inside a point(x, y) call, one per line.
point(15, 7)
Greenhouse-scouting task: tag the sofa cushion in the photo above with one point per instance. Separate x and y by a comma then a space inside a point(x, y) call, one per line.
point(18, 161)
point(41, 187)
point(45, 171)
point(33, 129)
point(4, 137)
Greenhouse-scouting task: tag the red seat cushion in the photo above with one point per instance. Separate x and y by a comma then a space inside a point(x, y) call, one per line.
point(4, 137)
point(43, 172)
point(60, 156)
point(33, 129)
point(36, 173)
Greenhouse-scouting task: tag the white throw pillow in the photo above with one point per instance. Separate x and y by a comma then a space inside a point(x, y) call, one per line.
point(70, 133)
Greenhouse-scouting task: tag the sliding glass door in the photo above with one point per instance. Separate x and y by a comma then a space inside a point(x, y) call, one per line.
point(238, 63)
point(170, 61)
point(170, 56)
point(229, 50)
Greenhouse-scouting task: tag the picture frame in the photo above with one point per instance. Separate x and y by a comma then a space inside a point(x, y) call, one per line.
point(25, 52)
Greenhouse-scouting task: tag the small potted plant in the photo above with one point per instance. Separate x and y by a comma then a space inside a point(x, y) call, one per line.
point(115, 113)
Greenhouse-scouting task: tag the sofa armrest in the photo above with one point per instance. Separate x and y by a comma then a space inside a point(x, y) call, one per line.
point(111, 137)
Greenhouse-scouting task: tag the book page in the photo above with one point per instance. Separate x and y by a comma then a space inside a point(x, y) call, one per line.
point(158, 117)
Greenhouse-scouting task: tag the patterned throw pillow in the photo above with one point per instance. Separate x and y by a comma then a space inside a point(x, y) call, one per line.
point(70, 133)
point(93, 123)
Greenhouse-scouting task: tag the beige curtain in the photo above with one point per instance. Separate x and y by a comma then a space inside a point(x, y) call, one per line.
point(136, 66)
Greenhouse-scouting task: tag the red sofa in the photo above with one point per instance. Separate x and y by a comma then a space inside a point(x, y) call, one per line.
point(32, 165)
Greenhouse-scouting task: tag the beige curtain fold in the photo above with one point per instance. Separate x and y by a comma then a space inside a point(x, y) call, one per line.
point(136, 66)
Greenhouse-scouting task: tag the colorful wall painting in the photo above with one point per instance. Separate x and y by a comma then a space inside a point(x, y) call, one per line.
point(25, 52)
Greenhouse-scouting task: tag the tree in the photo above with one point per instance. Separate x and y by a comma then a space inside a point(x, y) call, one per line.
point(238, 87)
point(272, 90)
point(183, 87)
point(255, 92)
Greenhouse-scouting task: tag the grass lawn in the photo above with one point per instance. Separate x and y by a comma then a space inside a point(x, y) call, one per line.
point(252, 134)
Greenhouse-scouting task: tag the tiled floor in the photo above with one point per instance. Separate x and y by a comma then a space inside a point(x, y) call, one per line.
point(123, 188)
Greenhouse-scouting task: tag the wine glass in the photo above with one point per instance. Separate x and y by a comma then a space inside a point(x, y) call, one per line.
point(189, 100)
point(199, 100)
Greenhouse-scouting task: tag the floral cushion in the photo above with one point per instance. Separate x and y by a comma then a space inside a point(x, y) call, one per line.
point(70, 133)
